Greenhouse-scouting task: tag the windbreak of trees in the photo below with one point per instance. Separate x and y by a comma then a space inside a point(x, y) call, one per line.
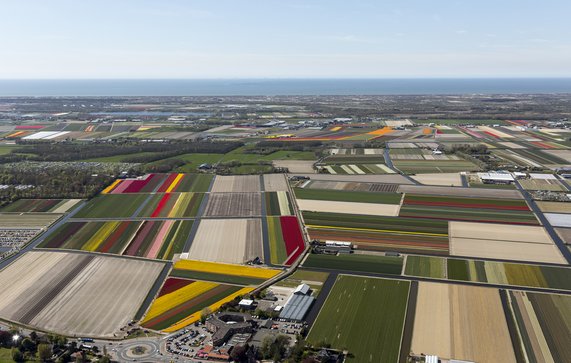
point(42, 151)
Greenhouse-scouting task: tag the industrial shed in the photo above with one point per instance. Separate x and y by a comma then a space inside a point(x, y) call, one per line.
point(296, 307)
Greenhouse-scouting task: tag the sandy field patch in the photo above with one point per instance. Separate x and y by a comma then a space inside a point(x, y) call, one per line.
point(511, 145)
point(235, 184)
point(66, 206)
point(296, 166)
point(349, 207)
point(75, 293)
point(554, 207)
point(564, 234)
point(461, 322)
point(461, 192)
point(227, 240)
point(275, 183)
point(27, 220)
point(562, 154)
point(558, 219)
point(442, 179)
point(233, 204)
point(501, 241)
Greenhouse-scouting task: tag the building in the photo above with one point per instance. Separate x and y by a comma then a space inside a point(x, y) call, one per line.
point(496, 178)
point(224, 325)
point(298, 304)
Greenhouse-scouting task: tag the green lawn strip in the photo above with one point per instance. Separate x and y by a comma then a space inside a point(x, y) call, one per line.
point(193, 308)
point(346, 196)
point(177, 238)
point(354, 159)
point(554, 315)
point(357, 263)
point(426, 266)
point(376, 222)
point(368, 318)
point(469, 214)
point(207, 276)
point(193, 205)
point(112, 206)
point(557, 277)
point(458, 269)
point(151, 205)
point(278, 252)
point(272, 204)
point(57, 239)
point(410, 198)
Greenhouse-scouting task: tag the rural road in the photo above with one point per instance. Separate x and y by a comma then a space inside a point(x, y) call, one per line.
point(548, 227)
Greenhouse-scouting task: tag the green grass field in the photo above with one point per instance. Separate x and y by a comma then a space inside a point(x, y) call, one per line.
point(112, 206)
point(314, 279)
point(425, 266)
point(278, 253)
point(357, 263)
point(364, 316)
point(345, 196)
point(434, 166)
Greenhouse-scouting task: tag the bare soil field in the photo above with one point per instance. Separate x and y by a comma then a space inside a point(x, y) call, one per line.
point(558, 219)
point(75, 294)
point(461, 322)
point(275, 183)
point(233, 204)
point(352, 186)
point(227, 240)
point(236, 184)
point(501, 241)
point(554, 207)
point(27, 220)
point(349, 207)
point(542, 184)
point(563, 154)
point(565, 234)
point(441, 179)
point(461, 192)
point(356, 178)
point(296, 166)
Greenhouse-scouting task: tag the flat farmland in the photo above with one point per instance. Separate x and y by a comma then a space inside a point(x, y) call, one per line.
point(425, 266)
point(356, 262)
point(369, 317)
point(469, 321)
point(348, 207)
point(511, 274)
point(500, 241)
point(543, 323)
point(40, 206)
point(112, 206)
point(467, 209)
point(233, 204)
point(348, 196)
point(149, 239)
point(558, 219)
point(27, 220)
point(278, 204)
point(379, 233)
point(275, 182)
point(542, 184)
point(236, 184)
point(444, 179)
point(176, 183)
point(172, 205)
point(554, 207)
point(460, 192)
point(358, 169)
point(227, 240)
point(144, 184)
point(221, 272)
point(434, 166)
point(352, 186)
point(75, 294)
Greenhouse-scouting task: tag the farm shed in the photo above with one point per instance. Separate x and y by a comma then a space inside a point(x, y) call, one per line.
point(296, 307)
point(302, 289)
point(496, 178)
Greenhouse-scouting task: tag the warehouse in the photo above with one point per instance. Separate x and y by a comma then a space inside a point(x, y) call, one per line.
point(298, 304)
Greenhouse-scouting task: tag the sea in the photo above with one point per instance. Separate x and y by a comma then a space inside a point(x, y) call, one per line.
point(279, 87)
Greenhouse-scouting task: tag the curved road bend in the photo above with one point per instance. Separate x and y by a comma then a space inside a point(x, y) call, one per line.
point(32, 244)
point(548, 227)
point(390, 164)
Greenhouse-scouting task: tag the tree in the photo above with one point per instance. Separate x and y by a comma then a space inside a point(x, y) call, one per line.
point(204, 314)
point(274, 348)
point(28, 345)
point(238, 353)
point(45, 352)
point(5, 338)
point(17, 356)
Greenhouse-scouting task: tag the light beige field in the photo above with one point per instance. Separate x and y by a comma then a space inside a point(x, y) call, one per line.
point(296, 166)
point(564, 234)
point(27, 220)
point(67, 205)
point(461, 192)
point(75, 293)
point(235, 184)
point(443, 179)
point(233, 204)
point(348, 207)
point(554, 207)
point(501, 241)
point(542, 184)
point(275, 183)
point(104, 297)
point(461, 322)
point(511, 145)
point(227, 240)
point(563, 154)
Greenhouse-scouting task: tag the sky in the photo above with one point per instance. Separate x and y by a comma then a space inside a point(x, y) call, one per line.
point(100, 39)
